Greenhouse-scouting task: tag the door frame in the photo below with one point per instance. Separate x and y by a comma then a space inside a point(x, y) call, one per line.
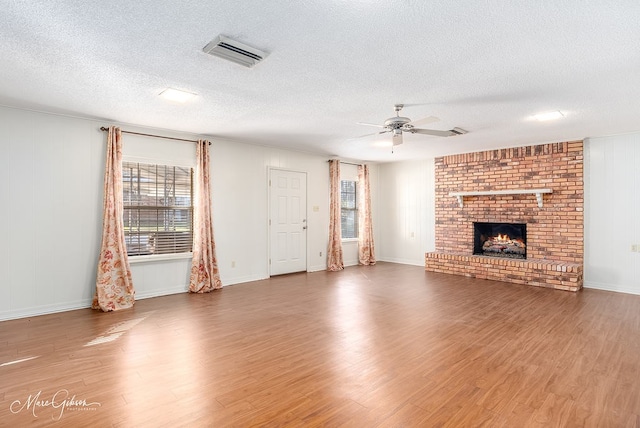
point(306, 212)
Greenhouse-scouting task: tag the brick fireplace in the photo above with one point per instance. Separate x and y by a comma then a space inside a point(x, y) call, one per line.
point(538, 186)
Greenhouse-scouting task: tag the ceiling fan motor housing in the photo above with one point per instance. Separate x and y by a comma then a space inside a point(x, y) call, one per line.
point(396, 122)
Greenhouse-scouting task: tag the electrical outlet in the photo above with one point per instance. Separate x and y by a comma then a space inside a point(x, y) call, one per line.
point(413, 235)
point(320, 253)
point(233, 264)
point(634, 248)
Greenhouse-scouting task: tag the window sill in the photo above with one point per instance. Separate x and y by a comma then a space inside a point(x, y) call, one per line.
point(158, 258)
point(347, 240)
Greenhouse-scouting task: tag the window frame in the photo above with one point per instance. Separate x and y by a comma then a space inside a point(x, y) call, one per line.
point(163, 211)
point(353, 210)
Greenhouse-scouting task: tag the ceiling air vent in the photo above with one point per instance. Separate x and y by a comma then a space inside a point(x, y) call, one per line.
point(234, 51)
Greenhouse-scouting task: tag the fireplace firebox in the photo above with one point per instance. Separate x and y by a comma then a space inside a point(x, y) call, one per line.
point(508, 240)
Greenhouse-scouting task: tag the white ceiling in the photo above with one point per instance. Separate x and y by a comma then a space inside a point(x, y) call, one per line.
point(484, 66)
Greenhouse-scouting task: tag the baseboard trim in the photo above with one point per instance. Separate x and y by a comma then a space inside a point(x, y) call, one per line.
point(44, 310)
point(403, 261)
point(242, 279)
point(610, 287)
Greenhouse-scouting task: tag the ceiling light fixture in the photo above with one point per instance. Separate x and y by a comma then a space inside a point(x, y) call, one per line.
point(176, 95)
point(552, 115)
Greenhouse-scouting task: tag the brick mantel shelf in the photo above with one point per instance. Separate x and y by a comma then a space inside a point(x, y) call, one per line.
point(537, 192)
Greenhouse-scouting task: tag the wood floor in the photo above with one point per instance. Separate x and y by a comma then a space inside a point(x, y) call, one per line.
point(387, 345)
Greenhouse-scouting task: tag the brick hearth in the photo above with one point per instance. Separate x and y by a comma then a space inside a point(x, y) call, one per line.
point(554, 231)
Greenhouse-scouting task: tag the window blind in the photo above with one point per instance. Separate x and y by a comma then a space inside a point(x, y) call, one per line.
point(158, 208)
point(348, 209)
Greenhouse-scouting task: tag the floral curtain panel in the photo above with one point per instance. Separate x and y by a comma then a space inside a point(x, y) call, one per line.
point(334, 251)
point(205, 276)
point(114, 286)
point(366, 247)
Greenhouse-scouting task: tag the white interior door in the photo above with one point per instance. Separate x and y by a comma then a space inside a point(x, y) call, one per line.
point(288, 221)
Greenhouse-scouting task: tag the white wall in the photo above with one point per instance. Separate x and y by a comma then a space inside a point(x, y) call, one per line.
point(612, 213)
point(406, 211)
point(51, 191)
point(51, 172)
point(240, 207)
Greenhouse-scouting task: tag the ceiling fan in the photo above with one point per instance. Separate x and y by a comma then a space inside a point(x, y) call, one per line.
point(399, 124)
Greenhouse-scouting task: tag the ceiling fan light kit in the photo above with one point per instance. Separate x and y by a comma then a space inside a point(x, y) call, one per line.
point(397, 137)
point(399, 124)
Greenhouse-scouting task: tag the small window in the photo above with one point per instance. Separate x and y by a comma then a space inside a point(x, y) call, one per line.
point(158, 208)
point(349, 209)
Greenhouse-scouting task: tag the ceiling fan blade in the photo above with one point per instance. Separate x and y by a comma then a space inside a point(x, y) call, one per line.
point(435, 132)
point(368, 135)
point(397, 138)
point(424, 121)
point(371, 124)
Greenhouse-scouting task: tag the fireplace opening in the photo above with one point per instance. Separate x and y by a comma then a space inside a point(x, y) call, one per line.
point(508, 240)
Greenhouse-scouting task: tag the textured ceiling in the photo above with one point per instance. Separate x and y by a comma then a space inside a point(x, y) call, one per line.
point(483, 66)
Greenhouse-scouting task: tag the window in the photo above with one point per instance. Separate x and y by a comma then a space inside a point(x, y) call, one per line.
point(349, 209)
point(158, 208)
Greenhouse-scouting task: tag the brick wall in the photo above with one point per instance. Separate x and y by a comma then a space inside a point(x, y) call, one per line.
point(554, 231)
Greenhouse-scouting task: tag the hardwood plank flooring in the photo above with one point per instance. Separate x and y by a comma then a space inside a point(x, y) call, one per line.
point(381, 346)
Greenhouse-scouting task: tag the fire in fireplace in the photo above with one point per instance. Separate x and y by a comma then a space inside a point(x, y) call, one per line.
point(507, 240)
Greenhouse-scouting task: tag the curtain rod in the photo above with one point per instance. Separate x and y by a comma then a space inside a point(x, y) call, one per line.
point(347, 163)
point(103, 129)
